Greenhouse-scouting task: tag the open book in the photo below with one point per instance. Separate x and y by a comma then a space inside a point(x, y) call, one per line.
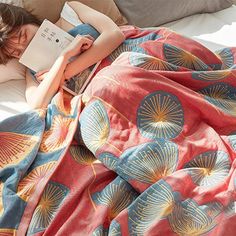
point(45, 47)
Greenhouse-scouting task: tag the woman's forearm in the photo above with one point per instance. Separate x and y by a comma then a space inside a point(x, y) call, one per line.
point(42, 95)
point(106, 43)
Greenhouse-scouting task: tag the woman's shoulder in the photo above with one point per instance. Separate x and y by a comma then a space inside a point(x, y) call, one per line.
point(68, 18)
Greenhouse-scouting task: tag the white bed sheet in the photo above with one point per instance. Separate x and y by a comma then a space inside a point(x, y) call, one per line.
point(215, 31)
point(12, 98)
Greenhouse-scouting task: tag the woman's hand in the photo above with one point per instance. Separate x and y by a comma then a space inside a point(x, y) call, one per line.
point(78, 45)
point(41, 75)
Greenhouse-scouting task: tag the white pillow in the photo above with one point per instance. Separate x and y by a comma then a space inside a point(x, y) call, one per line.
point(12, 70)
point(14, 2)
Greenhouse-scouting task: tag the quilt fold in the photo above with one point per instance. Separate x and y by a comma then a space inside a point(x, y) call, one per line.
point(147, 149)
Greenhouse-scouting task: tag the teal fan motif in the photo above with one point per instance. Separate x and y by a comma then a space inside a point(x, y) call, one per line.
point(211, 75)
point(94, 126)
point(180, 57)
point(149, 162)
point(209, 168)
point(156, 203)
point(116, 196)
point(150, 63)
point(221, 95)
point(51, 200)
point(109, 160)
point(133, 44)
point(232, 140)
point(227, 57)
point(160, 115)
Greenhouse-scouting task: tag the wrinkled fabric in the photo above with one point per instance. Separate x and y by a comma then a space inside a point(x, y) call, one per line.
point(148, 149)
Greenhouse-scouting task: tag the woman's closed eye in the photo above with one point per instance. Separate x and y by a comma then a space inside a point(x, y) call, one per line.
point(22, 37)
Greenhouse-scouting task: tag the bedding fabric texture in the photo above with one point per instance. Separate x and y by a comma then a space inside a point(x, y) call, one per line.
point(51, 9)
point(215, 31)
point(156, 12)
point(152, 152)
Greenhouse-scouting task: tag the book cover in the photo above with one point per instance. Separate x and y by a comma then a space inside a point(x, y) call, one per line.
point(45, 47)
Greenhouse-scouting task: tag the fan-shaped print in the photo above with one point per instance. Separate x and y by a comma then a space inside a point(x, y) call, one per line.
point(160, 115)
point(227, 57)
point(1, 202)
point(180, 57)
point(94, 125)
point(50, 202)
point(221, 95)
point(109, 160)
point(209, 168)
point(232, 140)
point(132, 44)
point(15, 147)
point(116, 196)
point(119, 50)
point(59, 135)
point(114, 229)
point(211, 75)
point(82, 155)
point(156, 203)
point(190, 219)
point(100, 231)
point(213, 209)
point(150, 63)
point(27, 185)
point(230, 209)
point(63, 103)
point(149, 162)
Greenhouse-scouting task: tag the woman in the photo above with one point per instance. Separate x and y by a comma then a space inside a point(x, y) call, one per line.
point(17, 28)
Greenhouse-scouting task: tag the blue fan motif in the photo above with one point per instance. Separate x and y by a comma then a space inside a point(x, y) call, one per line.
point(100, 231)
point(180, 57)
point(227, 57)
point(209, 168)
point(114, 229)
point(94, 126)
point(109, 160)
point(133, 44)
point(116, 196)
point(232, 140)
point(156, 203)
point(149, 162)
point(221, 95)
point(51, 200)
point(160, 115)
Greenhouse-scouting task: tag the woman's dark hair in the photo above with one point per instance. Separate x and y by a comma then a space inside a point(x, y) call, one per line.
point(12, 18)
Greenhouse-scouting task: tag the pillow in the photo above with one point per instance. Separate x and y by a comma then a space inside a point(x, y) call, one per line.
point(12, 70)
point(156, 12)
point(51, 9)
point(14, 2)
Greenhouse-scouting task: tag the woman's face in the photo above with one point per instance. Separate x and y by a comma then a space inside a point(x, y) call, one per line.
point(20, 40)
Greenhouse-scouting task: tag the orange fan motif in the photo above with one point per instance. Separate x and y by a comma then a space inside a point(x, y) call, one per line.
point(15, 147)
point(59, 135)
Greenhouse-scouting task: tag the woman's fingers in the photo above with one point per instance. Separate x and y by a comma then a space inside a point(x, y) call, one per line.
point(78, 45)
point(89, 37)
point(39, 73)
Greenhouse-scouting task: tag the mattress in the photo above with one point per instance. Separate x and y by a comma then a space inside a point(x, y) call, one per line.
point(215, 31)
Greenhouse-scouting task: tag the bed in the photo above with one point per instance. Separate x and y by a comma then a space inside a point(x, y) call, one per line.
point(215, 31)
point(105, 170)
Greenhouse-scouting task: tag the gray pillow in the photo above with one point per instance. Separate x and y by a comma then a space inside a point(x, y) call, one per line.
point(144, 13)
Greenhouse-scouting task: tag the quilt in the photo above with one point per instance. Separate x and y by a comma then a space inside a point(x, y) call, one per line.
point(148, 149)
